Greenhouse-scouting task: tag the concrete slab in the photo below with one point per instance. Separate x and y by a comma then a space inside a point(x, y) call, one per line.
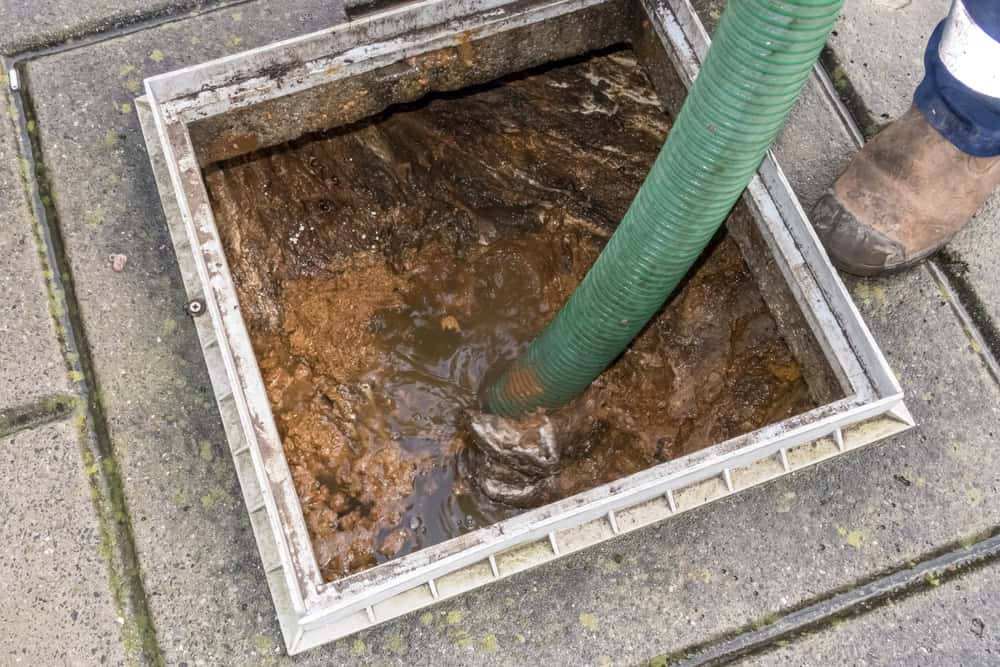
point(880, 46)
point(957, 623)
point(28, 25)
point(55, 607)
point(814, 147)
point(664, 588)
point(31, 364)
point(970, 261)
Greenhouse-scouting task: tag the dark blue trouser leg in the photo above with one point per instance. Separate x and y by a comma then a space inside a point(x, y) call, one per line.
point(960, 93)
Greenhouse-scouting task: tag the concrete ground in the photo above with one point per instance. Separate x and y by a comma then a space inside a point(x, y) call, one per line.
point(125, 539)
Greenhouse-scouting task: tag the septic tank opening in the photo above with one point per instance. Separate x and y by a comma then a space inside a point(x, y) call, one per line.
point(385, 269)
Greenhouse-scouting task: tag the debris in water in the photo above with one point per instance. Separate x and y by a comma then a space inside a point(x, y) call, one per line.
point(449, 323)
point(394, 542)
point(513, 459)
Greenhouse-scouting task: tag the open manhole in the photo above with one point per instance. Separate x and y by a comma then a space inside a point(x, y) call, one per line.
point(379, 215)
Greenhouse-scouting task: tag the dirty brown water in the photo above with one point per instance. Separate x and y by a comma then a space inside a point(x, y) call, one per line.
point(386, 268)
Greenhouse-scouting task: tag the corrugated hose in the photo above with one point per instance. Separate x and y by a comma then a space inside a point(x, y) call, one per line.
point(761, 55)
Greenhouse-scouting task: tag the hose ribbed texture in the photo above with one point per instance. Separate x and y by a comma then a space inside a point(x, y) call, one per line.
point(762, 54)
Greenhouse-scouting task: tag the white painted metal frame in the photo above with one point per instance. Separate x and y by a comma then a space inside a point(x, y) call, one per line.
point(312, 612)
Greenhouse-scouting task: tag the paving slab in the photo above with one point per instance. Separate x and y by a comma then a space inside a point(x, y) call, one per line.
point(31, 364)
point(879, 45)
point(813, 147)
point(705, 573)
point(55, 607)
point(970, 261)
point(28, 25)
point(955, 623)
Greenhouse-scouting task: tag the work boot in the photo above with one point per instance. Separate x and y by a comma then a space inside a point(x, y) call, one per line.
point(902, 197)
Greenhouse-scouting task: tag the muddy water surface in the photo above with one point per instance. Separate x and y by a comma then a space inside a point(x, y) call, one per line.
point(385, 268)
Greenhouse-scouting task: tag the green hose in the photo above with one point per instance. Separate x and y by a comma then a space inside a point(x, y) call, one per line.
point(762, 54)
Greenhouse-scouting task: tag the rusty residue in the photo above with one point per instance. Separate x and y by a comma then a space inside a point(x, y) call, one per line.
point(383, 269)
point(433, 59)
point(465, 50)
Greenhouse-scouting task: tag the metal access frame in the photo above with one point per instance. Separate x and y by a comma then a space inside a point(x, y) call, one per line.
point(311, 611)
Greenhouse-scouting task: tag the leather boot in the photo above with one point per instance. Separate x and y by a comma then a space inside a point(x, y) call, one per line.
point(902, 197)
